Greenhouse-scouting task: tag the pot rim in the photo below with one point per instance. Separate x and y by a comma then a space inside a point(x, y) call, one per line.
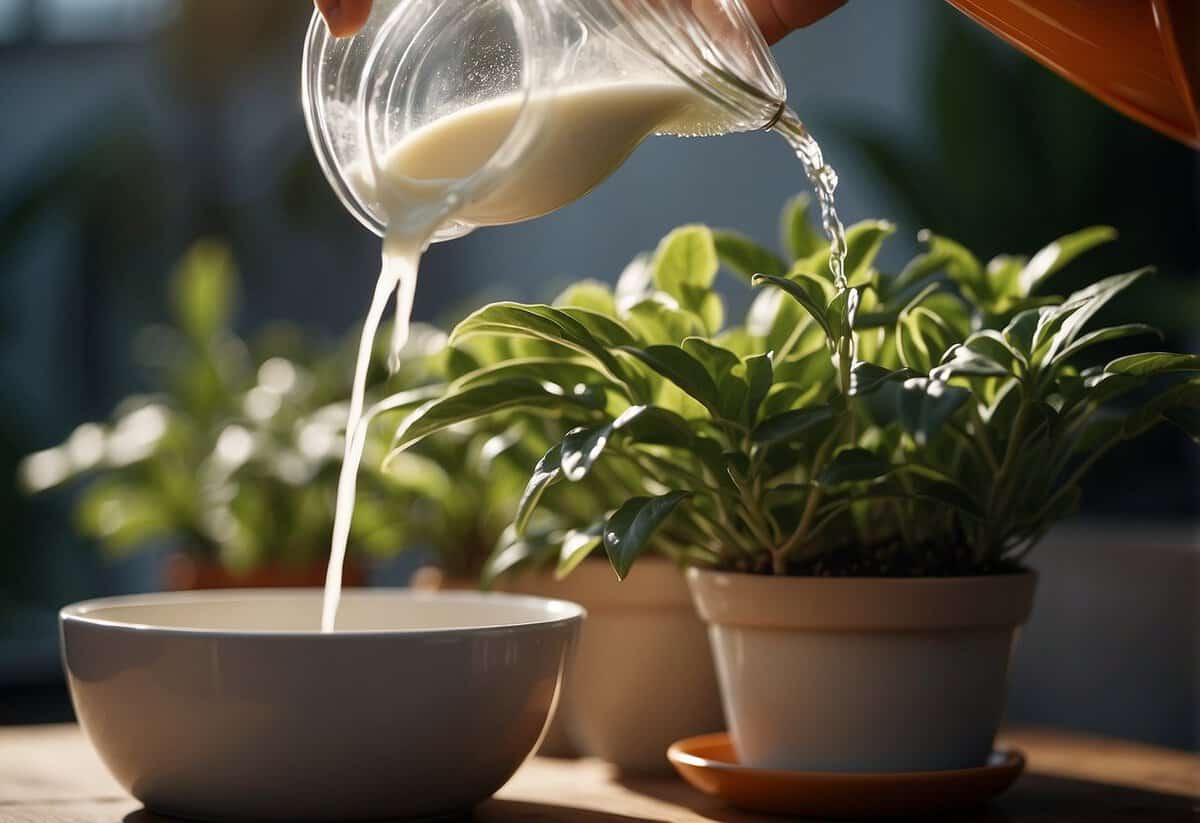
point(655, 584)
point(875, 604)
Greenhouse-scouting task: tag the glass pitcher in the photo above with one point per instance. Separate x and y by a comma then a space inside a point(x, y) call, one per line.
point(694, 67)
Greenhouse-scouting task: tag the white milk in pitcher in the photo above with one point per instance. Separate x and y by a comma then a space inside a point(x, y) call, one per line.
point(588, 132)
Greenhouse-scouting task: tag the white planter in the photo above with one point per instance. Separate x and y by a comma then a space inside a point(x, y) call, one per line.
point(862, 674)
point(643, 673)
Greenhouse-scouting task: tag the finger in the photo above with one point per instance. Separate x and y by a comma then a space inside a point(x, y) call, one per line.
point(344, 17)
point(777, 18)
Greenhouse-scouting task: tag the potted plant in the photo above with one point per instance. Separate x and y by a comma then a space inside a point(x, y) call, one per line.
point(854, 474)
point(624, 700)
point(232, 461)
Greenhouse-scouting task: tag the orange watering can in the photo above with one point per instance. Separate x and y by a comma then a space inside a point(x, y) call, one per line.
point(1142, 57)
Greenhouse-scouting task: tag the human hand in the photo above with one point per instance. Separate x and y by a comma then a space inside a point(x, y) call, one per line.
point(776, 18)
point(344, 17)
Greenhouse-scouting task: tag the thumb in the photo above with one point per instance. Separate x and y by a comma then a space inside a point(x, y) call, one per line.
point(777, 18)
point(344, 17)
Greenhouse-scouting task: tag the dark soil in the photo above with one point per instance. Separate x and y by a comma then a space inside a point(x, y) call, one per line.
point(894, 559)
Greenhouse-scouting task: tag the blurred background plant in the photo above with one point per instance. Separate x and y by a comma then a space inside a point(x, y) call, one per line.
point(232, 460)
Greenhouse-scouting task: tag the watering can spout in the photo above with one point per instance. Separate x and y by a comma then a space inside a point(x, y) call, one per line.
point(1142, 57)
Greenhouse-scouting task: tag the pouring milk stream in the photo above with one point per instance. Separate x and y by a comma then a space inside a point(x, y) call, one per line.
point(662, 73)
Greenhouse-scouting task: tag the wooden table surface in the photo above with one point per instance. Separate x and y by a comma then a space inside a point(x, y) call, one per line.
point(49, 774)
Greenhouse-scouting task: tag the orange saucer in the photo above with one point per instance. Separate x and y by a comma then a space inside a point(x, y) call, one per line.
point(710, 764)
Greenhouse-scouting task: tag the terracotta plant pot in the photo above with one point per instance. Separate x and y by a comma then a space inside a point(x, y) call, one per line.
point(862, 674)
point(433, 579)
point(643, 675)
point(182, 572)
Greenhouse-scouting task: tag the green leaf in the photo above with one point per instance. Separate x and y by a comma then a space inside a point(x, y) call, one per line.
point(512, 551)
point(922, 339)
point(659, 323)
point(577, 545)
point(962, 361)
point(1150, 364)
point(558, 371)
point(538, 322)
point(419, 475)
point(866, 378)
point(739, 341)
point(759, 376)
point(681, 369)
point(744, 257)
point(1062, 251)
point(1064, 323)
point(1103, 336)
point(705, 304)
point(654, 426)
point(841, 312)
point(720, 365)
point(685, 257)
point(805, 291)
point(799, 238)
point(993, 345)
point(853, 465)
point(477, 402)
point(962, 266)
point(588, 294)
point(778, 324)
point(790, 424)
point(204, 289)
point(919, 297)
point(863, 242)
point(1020, 331)
point(608, 331)
point(581, 447)
point(547, 472)
point(631, 527)
point(716, 360)
point(1105, 387)
point(1003, 276)
point(917, 271)
point(925, 404)
point(814, 370)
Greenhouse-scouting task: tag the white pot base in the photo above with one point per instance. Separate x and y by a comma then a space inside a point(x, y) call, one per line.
point(862, 674)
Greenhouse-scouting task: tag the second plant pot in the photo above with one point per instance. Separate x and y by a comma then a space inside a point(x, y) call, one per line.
point(643, 675)
point(862, 674)
point(185, 572)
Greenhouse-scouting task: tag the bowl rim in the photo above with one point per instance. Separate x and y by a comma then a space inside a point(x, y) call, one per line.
point(555, 613)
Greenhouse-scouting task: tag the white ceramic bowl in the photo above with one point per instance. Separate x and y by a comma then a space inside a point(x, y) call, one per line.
point(232, 705)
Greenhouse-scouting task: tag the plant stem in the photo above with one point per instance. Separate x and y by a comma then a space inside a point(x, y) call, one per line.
point(778, 563)
point(998, 499)
point(979, 428)
point(810, 506)
point(753, 517)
